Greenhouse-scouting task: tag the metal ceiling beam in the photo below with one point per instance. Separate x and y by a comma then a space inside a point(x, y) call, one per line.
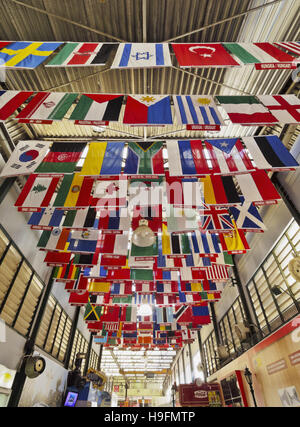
point(222, 21)
point(69, 21)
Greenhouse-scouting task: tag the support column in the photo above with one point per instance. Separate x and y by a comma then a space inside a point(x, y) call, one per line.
point(87, 358)
point(184, 373)
point(215, 323)
point(20, 377)
point(100, 358)
point(203, 361)
point(71, 338)
point(191, 363)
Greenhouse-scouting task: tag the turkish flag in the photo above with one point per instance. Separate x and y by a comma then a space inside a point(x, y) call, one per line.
point(203, 55)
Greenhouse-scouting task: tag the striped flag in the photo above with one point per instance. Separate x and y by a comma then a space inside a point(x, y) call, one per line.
point(74, 191)
point(167, 288)
point(257, 53)
point(80, 218)
point(46, 218)
point(220, 190)
point(25, 158)
point(81, 54)
point(179, 219)
point(234, 242)
point(247, 217)
point(164, 314)
point(145, 287)
point(162, 275)
point(257, 188)
point(37, 192)
point(184, 192)
point(218, 156)
point(28, 55)
point(46, 107)
point(93, 109)
point(121, 289)
point(163, 300)
point(116, 244)
point(103, 158)
point(144, 158)
point(78, 299)
point(204, 243)
point(247, 110)
point(197, 109)
point(54, 240)
point(83, 241)
point(293, 47)
point(128, 314)
point(216, 272)
point(62, 158)
point(113, 219)
point(142, 55)
point(66, 272)
point(57, 258)
point(172, 244)
point(10, 101)
point(203, 55)
point(286, 108)
point(148, 109)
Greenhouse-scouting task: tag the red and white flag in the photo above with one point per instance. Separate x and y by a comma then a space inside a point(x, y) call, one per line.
point(286, 108)
point(203, 55)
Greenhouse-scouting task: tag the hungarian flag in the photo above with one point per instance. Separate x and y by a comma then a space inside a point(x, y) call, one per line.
point(258, 188)
point(215, 220)
point(37, 192)
point(80, 218)
point(113, 219)
point(103, 158)
point(26, 55)
point(142, 55)
point(286, 108)
point(110, 194)
point(196, 109)
point(247, 110)
point(62, 158)
point(97, 108)
point(293, 47)
point(25, 158)
point(181, 219)
point(144, 158)
point(235, 241)
point(46, 107)
point(46, 218)
point(74, 192)
point(81, 54)
point(203, 55)
point(247, 217)
point(148, 109)
point(10, 101)
point(257, 53)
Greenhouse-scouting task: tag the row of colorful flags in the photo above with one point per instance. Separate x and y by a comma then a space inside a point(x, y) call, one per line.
point(216, 160)
point(194, 111)
point(29, 55)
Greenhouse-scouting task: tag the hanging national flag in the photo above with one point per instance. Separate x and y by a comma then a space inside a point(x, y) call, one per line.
point(257, 53)
point(66, 272)
point(148, 109)
point(216, 272)
point(145, 251)
point(144, 158)
point(54, 240)
point(234, 242)
point(26, 54)
point(162, 300)
point(173, 244)
point(10, 101)
point(198, 110)
point(220, 190)
point(273, 54)
point(164, 314)
point(215, 220)
point(97, 286)
point(116, 244)
point(78, 299)
point(103, 158)
point(258, 188)
point(99, 299)
point(152, 214)
point(247, 217)
point(97, 109)
point(293, 47)
point(145, 193)
point(74, 191)
point(113, 260)
point(165, 275)
point(80, 218)
point(188, 192)
point(25, 158)
point(203, 55)
point(200, 313)
point(128, 314)
point(113, 219)
point(36, 193)
point(167, 288)
point(204, 244)
point(110, 194)
point(142, 55)
point(62, 158)
point(181, 219)
point(81, 54)
point(121, 289)
point(93, 313)
point(46, 219)
point(286, 108)
point(145, 287)
point(57, 258)
point(83, 241)
point(46, 107)
point(247, 110)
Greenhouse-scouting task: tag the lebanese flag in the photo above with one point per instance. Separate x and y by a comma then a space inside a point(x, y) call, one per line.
point(203, 55)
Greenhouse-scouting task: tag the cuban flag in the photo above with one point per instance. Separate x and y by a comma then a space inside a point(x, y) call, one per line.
point(142, 55)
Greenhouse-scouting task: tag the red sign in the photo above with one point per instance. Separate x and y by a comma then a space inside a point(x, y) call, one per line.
point(277, 366)
point(276, 66)
point(295, 358)
point(203, 127)
point(193, 395)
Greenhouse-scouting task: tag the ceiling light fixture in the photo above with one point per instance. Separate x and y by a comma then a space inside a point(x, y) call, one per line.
point(143, 236)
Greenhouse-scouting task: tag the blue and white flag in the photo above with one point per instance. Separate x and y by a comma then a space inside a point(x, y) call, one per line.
point(196, 109)
point(247, 217)
point(142, 55)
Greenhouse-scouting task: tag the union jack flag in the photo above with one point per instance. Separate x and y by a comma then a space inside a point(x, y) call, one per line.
point(216, 220)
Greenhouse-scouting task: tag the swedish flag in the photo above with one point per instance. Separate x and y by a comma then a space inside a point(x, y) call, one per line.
point(26, 54)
